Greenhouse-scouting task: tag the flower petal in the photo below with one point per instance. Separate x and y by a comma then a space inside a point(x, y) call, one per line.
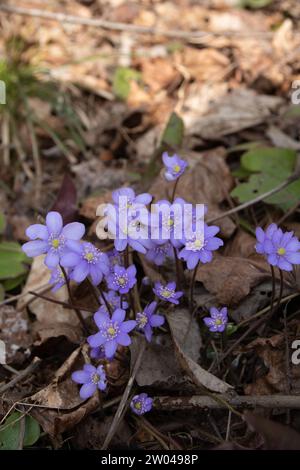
point(87, 390)
point(69, 259)
point(52, 259)
point(74, 231)
point(118, 315)
point(110, 348)
point(37, 231)
point(54, 222)
point(127, 326)
point(80, 377)
point(35, 248)
point(80, 271)
point(96, 340)
point(123, 339)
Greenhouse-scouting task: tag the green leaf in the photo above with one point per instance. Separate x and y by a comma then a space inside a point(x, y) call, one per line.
point(268, 168)
point(2, 223)
point(121, 81)
point(11, 428)
point(174, 131)
point(12, 260)
point(255, 3)
point(10, 284)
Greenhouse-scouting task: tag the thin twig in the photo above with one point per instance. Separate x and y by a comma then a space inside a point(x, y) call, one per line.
point(201, 401)
point(278, 188)
point(129, 27)
point(36, 361)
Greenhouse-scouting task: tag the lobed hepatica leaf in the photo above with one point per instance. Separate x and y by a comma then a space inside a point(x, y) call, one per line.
point(268, 168)
point(12, 260)
point(10, 432)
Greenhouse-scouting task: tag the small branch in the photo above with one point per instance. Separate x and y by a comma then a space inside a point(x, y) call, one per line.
point(123, 402)
point(278, 188)
point(36, 361)
point(201, 401)
point(131, 28)
point(58, 302)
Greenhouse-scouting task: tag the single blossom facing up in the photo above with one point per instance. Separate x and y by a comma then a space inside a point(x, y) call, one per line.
point(167, 292)
point(174, 166)
point(217, 321)
point(52, 238)
point(122, 279)
point(91, 379)
point(141, 404)
point(282, 249)
point(112, 331)
point(197, 249)
point(86, 260)
point(147, 320)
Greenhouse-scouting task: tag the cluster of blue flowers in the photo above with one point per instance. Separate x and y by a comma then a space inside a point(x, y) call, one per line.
point(70, 258)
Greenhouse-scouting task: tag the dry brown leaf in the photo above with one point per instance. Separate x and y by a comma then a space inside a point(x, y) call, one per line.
point(207, 181)
point(159, 370)
point(245, 108)
point(230, 279)
point(272, 351)
point(186, 336)
point(204, 64)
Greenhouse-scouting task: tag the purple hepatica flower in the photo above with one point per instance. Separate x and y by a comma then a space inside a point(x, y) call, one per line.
point(168, 221)
point(57, 279)
point(217, 321)
point(159, 252)
point(141, 404)
point(86, 260)
point(91, 378)
point(146, 320)
point(281, 248)
point(126, 200)
point(122, 279)
point(167, 292)
point(112, 331)
point(113, 300)
point(262, 236)
point(52, 239)
point(196, 250)
point(175, 166)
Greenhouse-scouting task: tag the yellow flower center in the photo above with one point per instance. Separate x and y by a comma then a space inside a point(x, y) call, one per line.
point(197, 243)
point(122, 281)
point(281, 251)
point(95, 378)
point(138, 405)
point(165, 293)
point(55, 243)
point(176, 168)
point(111, 331)
point(218, 322)
point(170, 222)
point(89, 256)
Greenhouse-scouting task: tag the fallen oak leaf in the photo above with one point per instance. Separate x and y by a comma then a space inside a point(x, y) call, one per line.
point(223, 275)
point(186, 337)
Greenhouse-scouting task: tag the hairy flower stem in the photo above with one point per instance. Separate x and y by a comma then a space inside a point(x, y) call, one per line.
point(192, 287)
point(76, 310)
point(281, 290)
point(105, 300)
point(273, 288)
point(174, 190)
point(178, 269)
